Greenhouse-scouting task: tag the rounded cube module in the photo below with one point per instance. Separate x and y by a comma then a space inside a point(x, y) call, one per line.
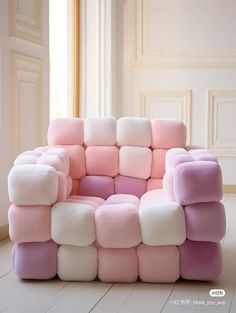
point(32, 184)
point(168, 134)
point(73, 224)
point(29, 223)
point(158, 264)
point(76, 155)
point(134, 132)
point(130, 185)
point(200, 260)
point(154, 183)
point(96, 186)
point(69, 131)
point(123, 198)
point(102, 160)
point(158, 163)
point(205, 221)
point(162, 223)
point(199, 181)
point(135, 162)
point(35, 260)
point(100, 131)
point(117, 225)
point(77, 264)
point(117, 265)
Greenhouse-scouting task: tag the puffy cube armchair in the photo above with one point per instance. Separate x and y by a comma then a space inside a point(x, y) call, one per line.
point(118, 200)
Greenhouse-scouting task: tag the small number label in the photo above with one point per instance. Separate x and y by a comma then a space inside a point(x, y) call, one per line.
point(217, 292)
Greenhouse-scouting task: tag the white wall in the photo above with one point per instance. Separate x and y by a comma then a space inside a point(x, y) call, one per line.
point(177, 59)
point(24, 83)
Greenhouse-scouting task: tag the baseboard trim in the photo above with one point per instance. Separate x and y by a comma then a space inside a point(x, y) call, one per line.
point(4, 232)
point(229, 188)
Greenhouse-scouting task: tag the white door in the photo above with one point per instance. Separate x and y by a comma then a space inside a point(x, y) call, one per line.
point(24, 84)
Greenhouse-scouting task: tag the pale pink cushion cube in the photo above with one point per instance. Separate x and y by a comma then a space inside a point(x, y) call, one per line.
point(158, 264)
point(158, 163)
point(62, 187)
point(117, 265)
point(75, 187)
point(117, 225)
point(29, 223)
point(205, 221)
point(77, 160)
point(96, 186)
point(199, 181)
point(69, 131)
point(168, 134)
point(154, 183)
point(134, 132)
point(123, 198)
point(135, 162)
point(100, 131)
point(102, 160)
point(130, 185)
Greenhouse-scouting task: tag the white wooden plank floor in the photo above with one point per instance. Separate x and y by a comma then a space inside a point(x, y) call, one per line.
point(55, 296)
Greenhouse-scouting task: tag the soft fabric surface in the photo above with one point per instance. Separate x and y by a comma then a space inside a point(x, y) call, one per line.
point(117, 225)
point(200, 260)
point(73, 224)
point(75, 187)
point(135, 162)
point(96, 186)
point(29, 223)
point(154, 183)
point(26, 159)
point(158, 163)
point(205, 221)
point(100, 131)
point(31, 184)
point(68, 131)
point(102, 160)
point(62, 154)
point(62, 187)
point(168, 184)
point(77, 160)
point(130, 185)
point(162, 223)
point(134, 132)
point(199, 181)
point(35, 260)
point(168, 134)
point(123, 198)
point(119, 265)
point(158, 264)
point(77, 264)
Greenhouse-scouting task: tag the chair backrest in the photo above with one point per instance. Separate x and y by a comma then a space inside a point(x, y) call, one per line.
point(109, 156)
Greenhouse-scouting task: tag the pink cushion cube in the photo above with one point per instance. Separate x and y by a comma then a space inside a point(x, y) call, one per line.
point(77, 160)
point(35, 260)
point(123, 198)
point(69, 131)
point(75, 187)
point(200, 260)
point(130, 185)
point(158, 264)
point(102, 160)
point(29, 223)
point(134, 132)
point(199, 181)
point(158, 163)
point(117, 265)
point(96, 186)
point(135, 162)
point(168, 134)
point(153, 183)
point(117, 225)
point(205, 221)
point(62, 187)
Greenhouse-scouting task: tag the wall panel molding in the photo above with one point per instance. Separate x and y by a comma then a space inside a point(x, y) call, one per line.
point(168, 103)
point(221, 132)
point(26, 21)
point(142, 56)
point(27, 100)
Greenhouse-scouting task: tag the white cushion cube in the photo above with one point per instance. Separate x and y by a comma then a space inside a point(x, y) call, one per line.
point(77, 264)
point(72, 224)
point(134, 132)
point(135, 162)
point(162, 223)
point(33, 184)
point(100, 131)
